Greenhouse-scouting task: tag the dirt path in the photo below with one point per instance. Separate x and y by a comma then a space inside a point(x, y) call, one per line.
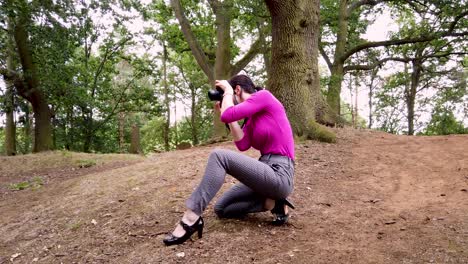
point(370, 198)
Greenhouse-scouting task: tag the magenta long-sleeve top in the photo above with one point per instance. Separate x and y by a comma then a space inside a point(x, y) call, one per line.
point(267, 128)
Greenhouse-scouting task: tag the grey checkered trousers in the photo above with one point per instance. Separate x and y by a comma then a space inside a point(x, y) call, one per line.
point(269, 177)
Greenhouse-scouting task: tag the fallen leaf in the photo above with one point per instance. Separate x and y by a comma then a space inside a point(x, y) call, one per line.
point(14, 256)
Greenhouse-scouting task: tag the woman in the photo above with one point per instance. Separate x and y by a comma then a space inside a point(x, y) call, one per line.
point(264, 183)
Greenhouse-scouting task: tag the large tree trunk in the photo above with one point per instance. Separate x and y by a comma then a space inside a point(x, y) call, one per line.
point(222, 69)
point(31, 91)
point(294, 72)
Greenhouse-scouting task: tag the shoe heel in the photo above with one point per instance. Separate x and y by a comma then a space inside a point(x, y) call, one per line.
point(200, 233)
point(200, 228)
point(288, 203)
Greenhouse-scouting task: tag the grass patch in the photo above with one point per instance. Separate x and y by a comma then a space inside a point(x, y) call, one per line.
point(86, 163)
point(75, 226)
point(35, 183)
point(25, 164)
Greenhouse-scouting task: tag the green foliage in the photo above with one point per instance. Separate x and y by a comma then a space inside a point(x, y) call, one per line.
point(443, 122)
point(152, 135)
point(390, 109)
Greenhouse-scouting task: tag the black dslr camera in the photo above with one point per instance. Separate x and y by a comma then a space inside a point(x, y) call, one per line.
point(216, 95)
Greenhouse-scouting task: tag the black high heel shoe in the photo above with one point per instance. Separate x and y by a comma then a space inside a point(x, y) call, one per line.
point(280, 215)
point(189, 230)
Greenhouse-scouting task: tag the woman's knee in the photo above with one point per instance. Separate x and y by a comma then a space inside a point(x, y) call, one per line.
point(219, 210)
point(220, 154)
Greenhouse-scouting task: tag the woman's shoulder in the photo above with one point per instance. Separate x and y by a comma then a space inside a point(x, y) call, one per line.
point(263, 94)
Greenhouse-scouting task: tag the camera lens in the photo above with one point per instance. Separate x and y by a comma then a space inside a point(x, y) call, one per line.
point(216, 95)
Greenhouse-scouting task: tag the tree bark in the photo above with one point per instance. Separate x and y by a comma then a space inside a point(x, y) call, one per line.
point(135, 146)
point(222, 70)
point(294, 69)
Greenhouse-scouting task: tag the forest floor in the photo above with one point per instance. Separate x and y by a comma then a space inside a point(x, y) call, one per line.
point(370, 198)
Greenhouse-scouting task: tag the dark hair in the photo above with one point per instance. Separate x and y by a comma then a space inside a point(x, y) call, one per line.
point(245, 83)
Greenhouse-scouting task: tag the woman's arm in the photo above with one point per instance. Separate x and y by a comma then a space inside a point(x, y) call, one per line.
point(236, 131)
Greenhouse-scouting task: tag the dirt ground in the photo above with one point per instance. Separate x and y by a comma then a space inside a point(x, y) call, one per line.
point(370, 198)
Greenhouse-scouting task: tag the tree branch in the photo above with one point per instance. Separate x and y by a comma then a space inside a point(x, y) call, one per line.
point(248, 57)
point(325, 57)
point(18, 82)
point(374, 65)
point(358, 4)
point(197, 51)
point(397, 42)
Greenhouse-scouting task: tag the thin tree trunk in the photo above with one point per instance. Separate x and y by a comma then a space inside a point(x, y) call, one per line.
point(194, 115)
point(121, 132)
point(356, 94)
point(411, 94)
point(337, 70)
point(371, 94)
point(68, 129)
point(176, 136)
point(351, 108)
point(294, 72)
point(166, 101)
point(135, 146)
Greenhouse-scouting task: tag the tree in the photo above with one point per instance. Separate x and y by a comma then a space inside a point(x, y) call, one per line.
point(27, 83)
point(294, 76)
point(221, 68)
point(448, 14)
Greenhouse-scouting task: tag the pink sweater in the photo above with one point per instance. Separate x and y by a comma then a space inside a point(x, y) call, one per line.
point(267, 128)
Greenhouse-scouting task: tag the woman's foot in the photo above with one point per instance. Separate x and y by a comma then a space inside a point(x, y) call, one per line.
point(189, 224)
point(281, 211)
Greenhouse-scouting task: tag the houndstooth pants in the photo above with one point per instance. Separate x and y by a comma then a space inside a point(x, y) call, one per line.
point(269, 177)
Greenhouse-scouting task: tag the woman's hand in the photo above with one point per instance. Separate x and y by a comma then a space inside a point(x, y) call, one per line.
point(223, 84)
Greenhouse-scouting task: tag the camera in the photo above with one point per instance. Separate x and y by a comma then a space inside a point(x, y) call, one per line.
point(216, 95)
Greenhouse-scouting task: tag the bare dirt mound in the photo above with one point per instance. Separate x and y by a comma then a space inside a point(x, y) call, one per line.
point(370, 198)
